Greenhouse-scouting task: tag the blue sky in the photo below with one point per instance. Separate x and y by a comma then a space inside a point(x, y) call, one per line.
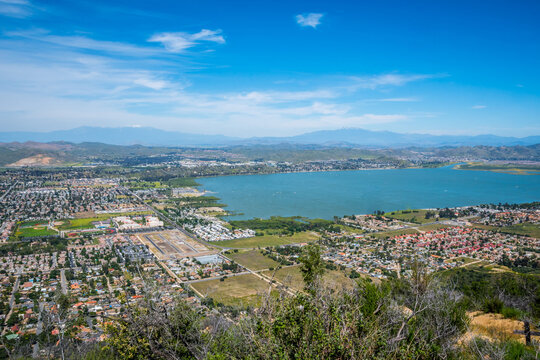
point(258, 68)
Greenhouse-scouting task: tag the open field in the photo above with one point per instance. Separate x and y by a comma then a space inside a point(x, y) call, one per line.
point(515, 169)
point(291, 276)
point(462, 259)
point(527, 229)
point(350, 229)
point(392, 233)
point(484, 265)
point(140, 184)
point(415, 216)
point(432, 227)
point(34, 228)
point(252, 259)
point(241, 290)
point(495, 326)
point(172, 244)
point(268, 240)
point(91, 214)
point(86, 222)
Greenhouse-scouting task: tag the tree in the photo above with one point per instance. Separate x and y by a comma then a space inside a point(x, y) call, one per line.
point(312, 264)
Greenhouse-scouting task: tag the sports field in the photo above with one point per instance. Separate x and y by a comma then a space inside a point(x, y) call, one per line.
point(33, 229)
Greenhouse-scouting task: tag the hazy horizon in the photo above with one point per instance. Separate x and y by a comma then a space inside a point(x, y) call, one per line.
point(250, 137)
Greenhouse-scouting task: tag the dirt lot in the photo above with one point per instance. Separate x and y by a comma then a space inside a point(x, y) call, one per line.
point(172, 244)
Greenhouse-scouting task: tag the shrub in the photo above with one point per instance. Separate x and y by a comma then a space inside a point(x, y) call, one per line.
point(494, 305)
point(511, 313)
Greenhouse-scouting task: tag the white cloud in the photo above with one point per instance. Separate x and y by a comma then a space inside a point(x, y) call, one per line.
point(375, 81)
point(283, 96)
point(411, 99)
point(82, 42)
point(177, 42)
point(311, 19)
point(118, 84)
point(478, 107)
point(151, 83)
point(15, 8)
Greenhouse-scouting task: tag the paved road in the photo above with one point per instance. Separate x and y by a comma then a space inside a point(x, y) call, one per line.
point(15, 289)
point(109, 286)
point(8, 191)
point(11, 301)
point(178, 227)
point(39, 326)
point(63, 281)
point(216, 278)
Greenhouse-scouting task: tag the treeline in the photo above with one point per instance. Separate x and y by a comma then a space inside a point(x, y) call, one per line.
point(289, 225)
point(198, 201)
point(522, 263)
point(514, 293)
point(419, 317)
point(48, 245)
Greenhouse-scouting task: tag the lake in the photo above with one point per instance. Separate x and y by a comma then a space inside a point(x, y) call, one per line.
point(337, 193)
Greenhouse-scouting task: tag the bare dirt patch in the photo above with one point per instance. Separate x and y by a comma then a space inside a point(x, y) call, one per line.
point(36, 160)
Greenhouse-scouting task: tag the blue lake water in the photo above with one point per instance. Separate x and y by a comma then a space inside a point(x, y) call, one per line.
point(326, 194)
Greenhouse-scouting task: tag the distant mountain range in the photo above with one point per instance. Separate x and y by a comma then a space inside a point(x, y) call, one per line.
point(343, 137)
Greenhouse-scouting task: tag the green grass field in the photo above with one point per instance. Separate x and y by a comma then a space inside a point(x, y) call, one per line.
point(140, 184)
point(34, 228)
point(292, 277)
point(515, 169)
point(33, 223)
point(350, 229)
point(86, 223)
point(391, 233)
point(526, 229)
point(416, 216)
point(253, 259)
point(268, 240)
point(241, 290)
point(432, 227)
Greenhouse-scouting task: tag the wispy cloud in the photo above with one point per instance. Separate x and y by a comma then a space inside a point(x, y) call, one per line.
point(284, 96)
point(407, 99)
point(76, 80)
point(478, 107)
point(151, 83)
point(83, 42)
point(375, 81)
point(177, 42)
point(16, 8)
point(311, 19)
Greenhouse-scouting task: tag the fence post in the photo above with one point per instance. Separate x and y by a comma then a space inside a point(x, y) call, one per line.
point(527, 329)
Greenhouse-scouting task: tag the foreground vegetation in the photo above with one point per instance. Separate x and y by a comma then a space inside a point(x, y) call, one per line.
point(422, 316)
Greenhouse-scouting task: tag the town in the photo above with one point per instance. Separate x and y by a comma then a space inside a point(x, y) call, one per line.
point(76, 251)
